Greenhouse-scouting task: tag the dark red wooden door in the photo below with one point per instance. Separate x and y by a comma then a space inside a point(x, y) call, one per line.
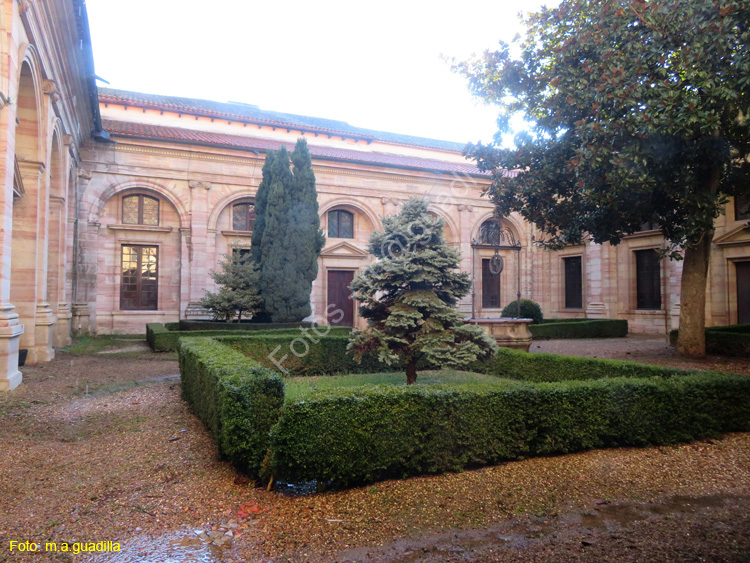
point(743, 292)
point(339, 297)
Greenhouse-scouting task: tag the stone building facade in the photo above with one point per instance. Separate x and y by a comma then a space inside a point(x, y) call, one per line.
point(117, 205)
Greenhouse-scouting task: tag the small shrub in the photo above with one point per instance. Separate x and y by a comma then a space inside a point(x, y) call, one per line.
point(529, 310)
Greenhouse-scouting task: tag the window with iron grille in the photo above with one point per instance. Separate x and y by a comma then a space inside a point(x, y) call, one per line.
point(648, 279)
point(139, 287)
point(340, 224)
point(140, 209)
point(573, 282)
point(490, 287)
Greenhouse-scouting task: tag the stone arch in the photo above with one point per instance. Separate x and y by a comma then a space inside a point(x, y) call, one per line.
point(30, 213)
point(29, 100)
point(450, 225)
point(144, 185)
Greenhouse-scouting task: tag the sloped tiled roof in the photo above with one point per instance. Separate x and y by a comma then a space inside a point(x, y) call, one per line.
point(252, 114)
point(191, 136)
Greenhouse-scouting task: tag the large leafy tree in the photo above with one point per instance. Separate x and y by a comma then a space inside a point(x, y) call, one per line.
point(291, 239)
point(409, 297)
point(639, 111)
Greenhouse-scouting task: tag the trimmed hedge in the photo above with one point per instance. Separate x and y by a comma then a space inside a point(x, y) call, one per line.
point(299, 355)
point(361, 435)
point(544, 404)
point(730, 340)
point(235, 397)
point(551, 368)
point(161, 338)
point(216, 325)
point(579, 328)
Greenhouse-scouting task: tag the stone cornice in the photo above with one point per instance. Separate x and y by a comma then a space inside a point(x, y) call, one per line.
point(425, 177)
point(143, 228)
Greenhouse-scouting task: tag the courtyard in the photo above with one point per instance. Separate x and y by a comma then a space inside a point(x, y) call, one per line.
point(99, 446)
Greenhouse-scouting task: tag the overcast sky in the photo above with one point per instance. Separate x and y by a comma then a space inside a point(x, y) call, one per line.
point(372, 64)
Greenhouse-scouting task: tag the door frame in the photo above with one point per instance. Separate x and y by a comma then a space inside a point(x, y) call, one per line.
point(732, 293)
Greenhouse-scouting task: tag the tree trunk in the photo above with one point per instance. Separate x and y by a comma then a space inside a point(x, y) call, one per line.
point(691, 341)
point(411, 372)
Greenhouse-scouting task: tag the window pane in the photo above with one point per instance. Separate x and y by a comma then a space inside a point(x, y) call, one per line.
point(490, 287)
point(139, 289)
point(239, 217)
point(130, 210)
point(340, 224)
point(648, 279)
point(150, 211)
point(573, 283)
point(489, 233)
point(346, 224)
point(333, 224)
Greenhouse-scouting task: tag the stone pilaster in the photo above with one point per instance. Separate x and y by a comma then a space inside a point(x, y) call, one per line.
point(595, 306)
point(199, 264)
point(44, 321)
point(466, 217)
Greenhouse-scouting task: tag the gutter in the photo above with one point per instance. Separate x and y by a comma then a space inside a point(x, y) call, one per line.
point(82, 19)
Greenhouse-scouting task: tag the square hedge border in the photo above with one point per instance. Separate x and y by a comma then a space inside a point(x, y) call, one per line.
point(550, 405)
point(579, 328)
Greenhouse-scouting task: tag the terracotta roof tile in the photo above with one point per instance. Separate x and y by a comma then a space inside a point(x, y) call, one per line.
point(176, 134)
point(253, 114)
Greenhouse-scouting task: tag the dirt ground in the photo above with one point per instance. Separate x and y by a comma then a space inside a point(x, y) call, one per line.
point(101, 447)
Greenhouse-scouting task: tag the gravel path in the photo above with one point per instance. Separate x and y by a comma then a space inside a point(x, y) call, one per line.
point(103, 448)
point(639, 348)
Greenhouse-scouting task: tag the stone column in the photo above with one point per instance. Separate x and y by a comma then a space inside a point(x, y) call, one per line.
point(595, 306)
point(28, 268)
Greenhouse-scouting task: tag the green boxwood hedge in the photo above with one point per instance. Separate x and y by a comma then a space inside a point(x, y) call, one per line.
point(298, 355)
point(199, 325)
point(164, 338)
point(235, 397)
point(579, 328)
point(360, 435)
point(545, 405)
point(730, 340)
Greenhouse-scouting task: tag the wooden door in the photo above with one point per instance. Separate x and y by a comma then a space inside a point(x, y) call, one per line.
point(743, 292)
point(339, 296)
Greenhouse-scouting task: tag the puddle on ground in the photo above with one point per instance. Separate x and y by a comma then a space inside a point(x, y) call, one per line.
point(182, 547)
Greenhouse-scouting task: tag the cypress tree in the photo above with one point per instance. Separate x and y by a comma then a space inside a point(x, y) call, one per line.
point(409, 297)
point(292, 239)
point(261, 201)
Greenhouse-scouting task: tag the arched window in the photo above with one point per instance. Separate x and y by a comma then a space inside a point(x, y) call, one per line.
point(140, 209)
point(340, 224)
point(489, 233)
point(243, 216)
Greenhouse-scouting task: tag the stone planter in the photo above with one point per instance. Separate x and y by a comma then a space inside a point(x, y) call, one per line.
point(507, 332)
